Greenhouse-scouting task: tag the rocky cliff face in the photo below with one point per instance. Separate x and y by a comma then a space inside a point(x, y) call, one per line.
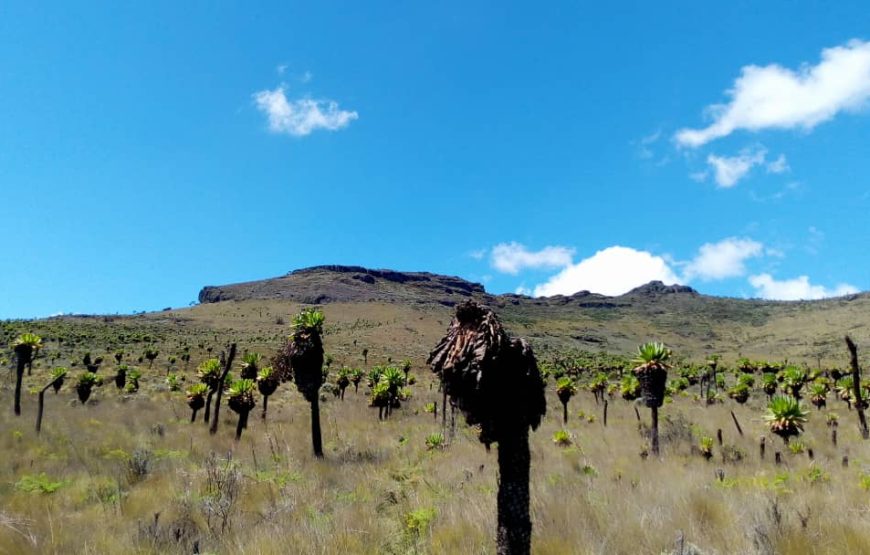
point(330, 284)
point(348, 284)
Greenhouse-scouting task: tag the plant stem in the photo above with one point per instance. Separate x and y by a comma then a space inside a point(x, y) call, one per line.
point(655, 431)
point(228, 363)
point(315, 428)
point(514, 536)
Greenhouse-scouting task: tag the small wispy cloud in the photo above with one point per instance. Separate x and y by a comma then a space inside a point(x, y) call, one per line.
point(510, 258)
point(775, 97)
point(815, 240)
point(301, 116)
point(728, 170)
point(645, 143)
point(780, 165)
point(700, 176)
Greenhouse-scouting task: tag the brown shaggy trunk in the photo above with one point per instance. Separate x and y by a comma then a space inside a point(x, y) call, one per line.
point(193, 415)
point(564, 412)
point(514, 535)
point(856, 385)
point(41, 404)
point(228, 363)
point(315, 428)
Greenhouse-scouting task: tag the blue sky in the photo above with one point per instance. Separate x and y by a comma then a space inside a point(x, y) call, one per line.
point(147, 151)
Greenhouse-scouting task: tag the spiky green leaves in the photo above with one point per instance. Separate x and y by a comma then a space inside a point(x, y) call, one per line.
point(652, 372)
point(394, 378)
point(196, 396)
point(25, 346)
point(209, 373)
point(267, 381)
point(380, 395)
point(343, 378)
point(793, 379)
point(309, 320)
point(819, 394)
point(785, 416)
point(85, 385)
point(241, 395)
point(629, 388)
point(740, 392)
point(651, 355)
point(88, 379)
point(58, 375)
point(302, 357)
point(565, 389)
point(769, 383)
point(250, 365)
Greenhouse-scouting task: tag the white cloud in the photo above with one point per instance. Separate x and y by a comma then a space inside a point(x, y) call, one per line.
point(302, 116)
point(722, 260)
point(512, 257)
point(815, 240)
point(612, 271)
point(780, 165)
point(776, 97)
point(729, 170)
point(700, 177)
point(477, 254)
point(281, 69)
point(523, 290)
point(795, 289)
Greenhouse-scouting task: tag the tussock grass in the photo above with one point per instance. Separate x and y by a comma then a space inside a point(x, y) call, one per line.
point(380, 490)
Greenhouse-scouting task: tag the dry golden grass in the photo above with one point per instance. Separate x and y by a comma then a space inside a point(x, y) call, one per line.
point(595, 496)
point(379, 490)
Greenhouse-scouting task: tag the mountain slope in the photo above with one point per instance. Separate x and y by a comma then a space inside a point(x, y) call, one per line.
point(692, 323)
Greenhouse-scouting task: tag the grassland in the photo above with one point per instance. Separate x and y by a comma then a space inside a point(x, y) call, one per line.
point(128, 473)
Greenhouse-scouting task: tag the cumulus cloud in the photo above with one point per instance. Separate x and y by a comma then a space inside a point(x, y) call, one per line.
point(301, 116)
point(772, 96)
point(510, 258)
point(727, 171)
point(612, 271)
point(722, 260)
point(795, 289)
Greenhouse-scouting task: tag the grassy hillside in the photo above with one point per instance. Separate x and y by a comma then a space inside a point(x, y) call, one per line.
point(128, 472)
point(381, 309)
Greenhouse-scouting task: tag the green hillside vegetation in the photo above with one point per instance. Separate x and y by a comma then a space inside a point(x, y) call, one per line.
point(760, 447)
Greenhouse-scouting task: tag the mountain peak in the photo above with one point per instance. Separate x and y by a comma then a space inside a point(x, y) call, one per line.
point(659, 288)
